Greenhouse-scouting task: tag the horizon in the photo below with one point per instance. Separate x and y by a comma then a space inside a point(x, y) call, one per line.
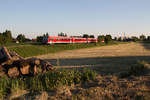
point(75, 17)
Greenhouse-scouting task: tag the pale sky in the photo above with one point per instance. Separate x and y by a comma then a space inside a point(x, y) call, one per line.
point(75, 17)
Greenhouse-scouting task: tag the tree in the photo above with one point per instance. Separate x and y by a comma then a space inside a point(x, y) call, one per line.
point(115, 38)
point(47, 35)
point(7, 37)
point(142, 37)
point(119, 39)
point(91, 36)
point(85, 35)
point(134, 38)
point(62, 34)
point(148, 38)
point(21, 38)
point(101, 38)
point(108, 38)
point(40, 38)
point(1, 38)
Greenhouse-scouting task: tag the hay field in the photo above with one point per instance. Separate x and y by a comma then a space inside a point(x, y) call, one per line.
point(128, 49)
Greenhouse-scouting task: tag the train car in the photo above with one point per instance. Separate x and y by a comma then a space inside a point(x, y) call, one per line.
point(55, 40)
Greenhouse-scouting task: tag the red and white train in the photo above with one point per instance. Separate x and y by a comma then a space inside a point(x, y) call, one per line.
point(54, 40)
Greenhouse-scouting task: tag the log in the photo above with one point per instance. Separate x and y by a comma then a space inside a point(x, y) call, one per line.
point(24, 67)
point(14, 65)
point(8, 62)
point(37, 69)
point(1, 68)
point(13, 72)
point(15, 55)
point(46, 65)
point(33, 60)
point(5, 53)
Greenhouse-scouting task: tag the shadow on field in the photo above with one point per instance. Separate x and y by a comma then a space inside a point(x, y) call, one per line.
point(103, 65)
point(146, 45)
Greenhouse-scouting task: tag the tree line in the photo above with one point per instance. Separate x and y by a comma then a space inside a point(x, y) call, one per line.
point(133, 38)
point(6, 37)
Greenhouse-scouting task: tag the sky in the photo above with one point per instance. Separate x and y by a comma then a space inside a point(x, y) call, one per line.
point(75, 17)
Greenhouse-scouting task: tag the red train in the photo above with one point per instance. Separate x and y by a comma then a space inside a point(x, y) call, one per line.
point(54, 40)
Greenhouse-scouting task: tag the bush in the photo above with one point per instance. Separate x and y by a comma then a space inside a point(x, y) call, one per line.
point(88, 75)
point(135, 70)
point(108, 39)
point(47, 81)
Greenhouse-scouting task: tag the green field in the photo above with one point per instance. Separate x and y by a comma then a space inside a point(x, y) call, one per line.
point(29, 50)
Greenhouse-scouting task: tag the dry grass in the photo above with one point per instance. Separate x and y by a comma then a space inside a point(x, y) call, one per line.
point(128, 49)
point(105, 59)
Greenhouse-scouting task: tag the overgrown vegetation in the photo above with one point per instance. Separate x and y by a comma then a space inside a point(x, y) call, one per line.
point(47, 81)
point(135, 70)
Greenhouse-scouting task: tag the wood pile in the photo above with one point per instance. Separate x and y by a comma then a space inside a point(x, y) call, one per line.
point(13, 65)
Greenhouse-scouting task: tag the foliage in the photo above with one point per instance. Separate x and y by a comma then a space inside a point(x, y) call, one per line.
point(39, 38)
point(62, 34)
point(148, 38)
point(88, 74)
point(101, 38)
point(142, 37)
point(108, 38)
point(21, 38)
point(46, 81)
point(91, 36)
point(135, 70)
point(134, 38)
point(85, 35)
point(115, 38)
point(5, 37)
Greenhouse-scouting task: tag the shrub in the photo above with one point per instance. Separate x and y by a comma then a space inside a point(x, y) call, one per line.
point(108, 39)
point(88, 75)
point(135, 70)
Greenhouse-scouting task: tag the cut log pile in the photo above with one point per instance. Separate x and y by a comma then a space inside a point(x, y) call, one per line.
point(13, 65)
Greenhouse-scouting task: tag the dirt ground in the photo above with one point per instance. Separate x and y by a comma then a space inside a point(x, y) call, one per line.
point(103, 59)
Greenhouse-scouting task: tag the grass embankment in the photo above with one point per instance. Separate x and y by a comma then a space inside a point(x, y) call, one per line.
point(28, 50)
point(45, 82)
